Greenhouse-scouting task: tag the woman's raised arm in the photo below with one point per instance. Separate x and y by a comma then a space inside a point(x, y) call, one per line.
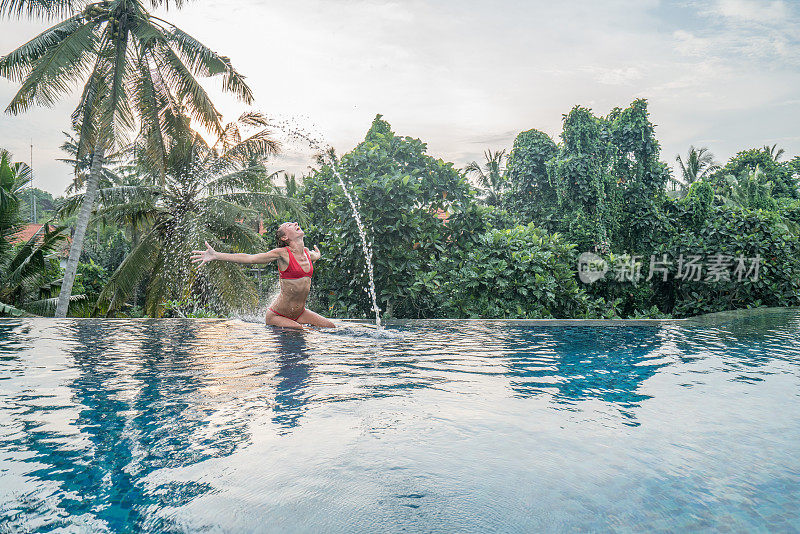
point(209, 254)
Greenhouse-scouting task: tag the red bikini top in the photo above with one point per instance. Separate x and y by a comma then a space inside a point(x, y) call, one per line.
point(294, 271)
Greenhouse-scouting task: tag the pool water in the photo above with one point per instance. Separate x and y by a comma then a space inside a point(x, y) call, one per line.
point(228, 426)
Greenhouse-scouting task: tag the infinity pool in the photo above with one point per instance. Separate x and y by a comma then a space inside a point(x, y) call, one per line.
point(228, 426)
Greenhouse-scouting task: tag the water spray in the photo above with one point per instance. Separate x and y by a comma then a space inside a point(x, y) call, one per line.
point(293, 132)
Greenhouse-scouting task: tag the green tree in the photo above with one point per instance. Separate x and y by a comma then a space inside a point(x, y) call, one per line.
point(208, 193)
point(491, 176)
point(140, 68)
point(25, 270)
point(44, 205)
point(581, 175)
point(404, 196)
point(14, 177)
point(531, 194)
point(637, 179)
point(752, 190)
point(82, 164)
point(785, 182)
point(699, 165)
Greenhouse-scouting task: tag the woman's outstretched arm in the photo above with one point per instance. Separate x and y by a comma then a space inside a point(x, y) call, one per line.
point(209, 254)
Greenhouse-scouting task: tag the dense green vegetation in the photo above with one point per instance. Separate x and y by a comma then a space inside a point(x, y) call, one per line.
point(498, 238)
point(27, 267)
point(504, 245)
point(509, 247)
point(140, 78)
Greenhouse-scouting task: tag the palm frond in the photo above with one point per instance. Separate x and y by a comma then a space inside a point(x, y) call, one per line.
point(253, 178)
point(130, 272)
point(231, 286)
point(47, 307)
point(133, 214)
point(205, 62)
point(46, 9)
point(253, 118)
point(189, 91)
point(256, 147)
point(150, 102)
point(53, 74)
point(29, 261)
point(84, 117)
point(17, 64)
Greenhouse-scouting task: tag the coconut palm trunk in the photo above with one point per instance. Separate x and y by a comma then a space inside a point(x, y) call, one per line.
point(80, 230)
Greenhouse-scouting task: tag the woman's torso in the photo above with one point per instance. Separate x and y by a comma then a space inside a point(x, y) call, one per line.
point(294, 291)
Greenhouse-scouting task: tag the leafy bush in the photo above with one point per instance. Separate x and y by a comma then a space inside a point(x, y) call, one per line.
point(523, 272)
point(404, 197)
point(734, 232)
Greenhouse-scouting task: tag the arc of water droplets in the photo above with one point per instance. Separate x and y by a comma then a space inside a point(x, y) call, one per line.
point(294, 132)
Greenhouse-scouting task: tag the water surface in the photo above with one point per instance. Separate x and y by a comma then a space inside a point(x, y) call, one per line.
point(222, 425)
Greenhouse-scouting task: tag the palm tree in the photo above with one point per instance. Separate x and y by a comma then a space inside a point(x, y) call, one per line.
point(206, 193)
point(491, 176)
point(774, 152)
point(699, 164)
point(751, 190)
point(82, 165)
point(13, 179)
point(23, 274)
point(49, 9)
point(140, 70)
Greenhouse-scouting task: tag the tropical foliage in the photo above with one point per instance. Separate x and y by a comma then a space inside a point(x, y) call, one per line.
point(491, 176)
point(523, 272)
point(404, 195)
point(699, 165)
point(148, 188)
point(27, 269)
point(138, 69)
point(601, 189)
point(199, 192)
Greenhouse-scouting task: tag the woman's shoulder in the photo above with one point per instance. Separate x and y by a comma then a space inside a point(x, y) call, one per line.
point(280, 252)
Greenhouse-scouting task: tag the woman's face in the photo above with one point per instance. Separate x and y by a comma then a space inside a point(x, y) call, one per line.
point(292, 230)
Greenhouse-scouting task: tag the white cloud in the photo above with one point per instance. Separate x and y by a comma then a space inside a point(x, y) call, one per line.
point(749, 11)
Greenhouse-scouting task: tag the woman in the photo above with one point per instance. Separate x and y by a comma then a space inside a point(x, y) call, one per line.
point(295, 266)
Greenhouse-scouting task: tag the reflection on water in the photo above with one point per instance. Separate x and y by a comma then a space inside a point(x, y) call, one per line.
point(292, 378)
point(171, 425)
point(575, 363)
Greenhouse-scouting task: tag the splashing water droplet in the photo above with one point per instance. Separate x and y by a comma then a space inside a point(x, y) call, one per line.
point(294, 132)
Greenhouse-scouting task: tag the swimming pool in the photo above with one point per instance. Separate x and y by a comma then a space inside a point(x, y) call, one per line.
point(469, 426)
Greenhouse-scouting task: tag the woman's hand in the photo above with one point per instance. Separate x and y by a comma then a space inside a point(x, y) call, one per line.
point(316, 254)
point(204, 256)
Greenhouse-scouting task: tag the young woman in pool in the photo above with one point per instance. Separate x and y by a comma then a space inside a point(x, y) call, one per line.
point(295, 266)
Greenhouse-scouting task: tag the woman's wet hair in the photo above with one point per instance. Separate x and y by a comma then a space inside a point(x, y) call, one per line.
point(279, 235)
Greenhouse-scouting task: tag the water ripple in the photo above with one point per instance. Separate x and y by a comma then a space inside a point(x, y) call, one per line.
point(178, 425)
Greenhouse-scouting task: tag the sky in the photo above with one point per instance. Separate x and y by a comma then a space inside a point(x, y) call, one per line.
point(467, 76)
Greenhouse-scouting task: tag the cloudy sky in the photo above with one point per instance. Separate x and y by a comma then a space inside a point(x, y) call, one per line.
point(465, 76)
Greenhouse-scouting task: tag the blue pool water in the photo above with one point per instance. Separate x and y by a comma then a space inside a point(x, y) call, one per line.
point(227, 426)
